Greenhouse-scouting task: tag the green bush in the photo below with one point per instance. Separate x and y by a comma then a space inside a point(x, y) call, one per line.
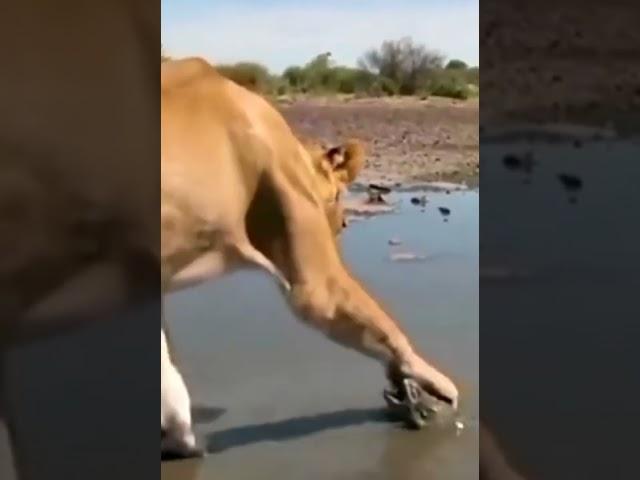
point(383, 87)
point(319, 76)
point(450, 89)
point(456, 64)
point(472, 76)
point(352, 80)
point(295, 77)
point(252, 76)
point(282, 89)
point(449, 83)
point(429, 76)
point(408, 88)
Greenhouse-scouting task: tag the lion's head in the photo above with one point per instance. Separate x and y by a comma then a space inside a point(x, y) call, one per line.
point(337, 167)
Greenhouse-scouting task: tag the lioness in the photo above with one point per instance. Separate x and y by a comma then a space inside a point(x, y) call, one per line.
point(240, 190)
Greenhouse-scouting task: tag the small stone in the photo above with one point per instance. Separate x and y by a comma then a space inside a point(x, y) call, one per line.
point(375, 198)
point(570, 182)
point(379, 188)
point(512, 162)
point(407, 257)
point(422, 200)
point(395, 241)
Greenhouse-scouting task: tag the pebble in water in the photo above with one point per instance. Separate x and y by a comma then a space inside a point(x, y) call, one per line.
point(419, 200)
point(407, 257)
point(570, 182)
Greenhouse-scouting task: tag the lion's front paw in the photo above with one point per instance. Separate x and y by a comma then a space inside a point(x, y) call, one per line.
point(411, 402)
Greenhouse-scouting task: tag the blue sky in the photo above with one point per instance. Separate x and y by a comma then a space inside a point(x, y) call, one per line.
point(279, 33)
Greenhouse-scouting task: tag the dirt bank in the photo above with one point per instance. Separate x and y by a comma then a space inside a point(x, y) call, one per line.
point(574, 62)
point(408, 140)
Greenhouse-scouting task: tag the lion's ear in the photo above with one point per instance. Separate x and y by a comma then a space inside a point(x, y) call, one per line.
point(335, 155)
point(347, 160)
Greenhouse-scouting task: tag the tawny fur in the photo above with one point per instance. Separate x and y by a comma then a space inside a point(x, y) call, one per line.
point(239, 190)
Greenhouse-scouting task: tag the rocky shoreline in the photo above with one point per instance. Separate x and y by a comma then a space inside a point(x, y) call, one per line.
point(410, 141)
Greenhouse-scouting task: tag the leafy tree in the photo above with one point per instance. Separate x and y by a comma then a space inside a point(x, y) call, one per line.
point(396, 67)
point(404, 62)
point(455, 64)
point(295, 76)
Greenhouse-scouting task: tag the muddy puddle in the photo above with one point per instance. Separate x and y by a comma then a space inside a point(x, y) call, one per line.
point(559, 280)
point(273, 399)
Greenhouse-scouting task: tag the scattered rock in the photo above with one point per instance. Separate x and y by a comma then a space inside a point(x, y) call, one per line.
point(570, 182)
point(395, 241)
point(419, 200)
point(515, 162)
point(375, 193)
point(362, 208)
point(375, 198)
point(444, 211)
point(407, 257)
point(512, 162)
point(379, 188)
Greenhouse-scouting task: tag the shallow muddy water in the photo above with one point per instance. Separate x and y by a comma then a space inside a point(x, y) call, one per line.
point(567, 323)
point(273, 399)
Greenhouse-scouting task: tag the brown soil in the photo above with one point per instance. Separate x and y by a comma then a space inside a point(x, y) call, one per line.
point(408, 140)
point(570, 62)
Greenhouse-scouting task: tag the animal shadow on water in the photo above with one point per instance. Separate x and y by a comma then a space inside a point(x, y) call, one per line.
point(292, 428)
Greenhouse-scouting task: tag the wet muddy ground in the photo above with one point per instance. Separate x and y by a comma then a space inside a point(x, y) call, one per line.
point(274, 399)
